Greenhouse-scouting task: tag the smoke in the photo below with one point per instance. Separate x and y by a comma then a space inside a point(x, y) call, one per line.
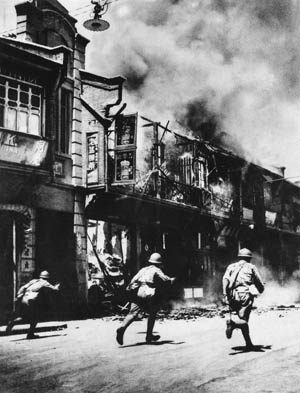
point(277, 295)
point(277, 291)
point(225, 69)
point(280, 289)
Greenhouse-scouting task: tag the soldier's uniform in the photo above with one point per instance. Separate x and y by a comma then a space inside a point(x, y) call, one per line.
point(148, 286)
point(241, 283)
point(30, 299)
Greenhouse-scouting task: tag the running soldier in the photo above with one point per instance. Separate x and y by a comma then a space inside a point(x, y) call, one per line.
point(29, 302)
point(241, 283)
point(149, 286)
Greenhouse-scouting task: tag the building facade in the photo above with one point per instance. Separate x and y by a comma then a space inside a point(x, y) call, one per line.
point(42, 174)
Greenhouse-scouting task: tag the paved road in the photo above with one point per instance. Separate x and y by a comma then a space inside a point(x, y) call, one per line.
point(192, 356)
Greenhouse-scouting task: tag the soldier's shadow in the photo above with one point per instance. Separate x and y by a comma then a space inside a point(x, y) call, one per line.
point(161, 342)
point(255, 348)
point(40, 337)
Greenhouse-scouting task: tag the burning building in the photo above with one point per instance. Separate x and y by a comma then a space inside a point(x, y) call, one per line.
point(193, 201)
point(198, 194)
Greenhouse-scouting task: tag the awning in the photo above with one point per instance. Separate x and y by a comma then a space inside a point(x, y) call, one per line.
point(133, 209)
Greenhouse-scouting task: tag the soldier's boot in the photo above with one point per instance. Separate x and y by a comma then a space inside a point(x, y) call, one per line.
point(230, 326)
point(120, 335)
point(151, 338)
point(9, 327)
point(31, 335)
point(121, 330)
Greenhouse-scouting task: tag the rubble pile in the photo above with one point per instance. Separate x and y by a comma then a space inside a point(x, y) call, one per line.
point(282, 307)
point(189, 313)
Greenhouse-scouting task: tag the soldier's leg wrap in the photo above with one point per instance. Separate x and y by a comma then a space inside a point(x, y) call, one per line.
point(32, 328)
point(246, 335)
point(10, 325)
point(244, 302)
point(16, 317)
point(131, 316)
point(151, 322)
point(244, 315)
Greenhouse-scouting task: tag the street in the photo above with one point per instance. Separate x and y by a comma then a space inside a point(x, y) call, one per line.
point(192, 356)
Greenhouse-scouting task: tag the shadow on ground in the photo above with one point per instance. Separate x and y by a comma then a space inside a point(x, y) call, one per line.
point(162, 342)
point(40, 337)
point(255, 348)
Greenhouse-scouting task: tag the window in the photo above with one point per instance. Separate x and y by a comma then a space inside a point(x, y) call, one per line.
point(20, 106)
point(63, 130)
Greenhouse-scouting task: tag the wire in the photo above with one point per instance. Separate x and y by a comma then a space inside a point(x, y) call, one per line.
point(282, 178)
point(70, 11)
point(80, 8)
point(86, 6)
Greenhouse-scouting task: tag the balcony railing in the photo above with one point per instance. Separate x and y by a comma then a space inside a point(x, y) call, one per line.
point(167, 189)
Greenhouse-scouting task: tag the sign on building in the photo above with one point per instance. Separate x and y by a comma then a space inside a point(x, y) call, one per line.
point(92, 154)
point(125, 149)
point(22, 149)
point(125, 131)
point(125, 166)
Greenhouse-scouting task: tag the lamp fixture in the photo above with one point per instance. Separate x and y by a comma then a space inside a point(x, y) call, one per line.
point(97, 23)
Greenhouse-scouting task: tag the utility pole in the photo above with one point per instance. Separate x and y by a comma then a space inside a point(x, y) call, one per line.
point(156, 159)
point(156, 154)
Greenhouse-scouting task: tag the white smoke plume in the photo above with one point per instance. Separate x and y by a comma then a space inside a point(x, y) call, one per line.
point(277, 295)
point(211, 66)
point(280, 289)
point(280, 294)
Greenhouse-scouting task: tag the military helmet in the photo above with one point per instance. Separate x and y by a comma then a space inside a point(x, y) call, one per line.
point(245, 253)
point(155, 259)
point(44, 274)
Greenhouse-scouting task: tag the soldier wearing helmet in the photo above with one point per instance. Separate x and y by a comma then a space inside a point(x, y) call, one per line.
point(241, 283)
point(29, 302)
point(148, 287)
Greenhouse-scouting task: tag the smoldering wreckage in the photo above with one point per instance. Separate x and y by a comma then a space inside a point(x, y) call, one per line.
point(133, 183)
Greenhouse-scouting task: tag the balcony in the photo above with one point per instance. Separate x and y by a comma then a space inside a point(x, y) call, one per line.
point(167, 189)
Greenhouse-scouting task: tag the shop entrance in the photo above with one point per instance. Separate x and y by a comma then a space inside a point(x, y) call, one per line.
point(55, 252)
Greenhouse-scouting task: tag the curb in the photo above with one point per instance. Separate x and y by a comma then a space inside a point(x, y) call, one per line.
point(41, 327)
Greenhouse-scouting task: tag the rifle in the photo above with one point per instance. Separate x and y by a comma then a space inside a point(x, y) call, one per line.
point(106, 276)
